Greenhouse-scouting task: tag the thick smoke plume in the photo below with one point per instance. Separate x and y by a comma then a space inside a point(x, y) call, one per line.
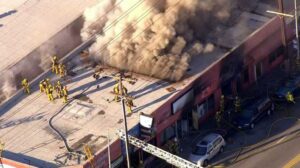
point(153, 37)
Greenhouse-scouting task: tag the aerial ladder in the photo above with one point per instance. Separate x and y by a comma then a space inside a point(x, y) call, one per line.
point(2, 144)
point(168, 157)
point(88, 153)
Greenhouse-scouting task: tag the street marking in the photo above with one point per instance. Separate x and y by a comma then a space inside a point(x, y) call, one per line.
point(280, 140)
point(293, 162)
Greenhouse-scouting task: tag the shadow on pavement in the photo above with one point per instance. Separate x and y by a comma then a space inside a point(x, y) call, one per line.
point(149, 88)
point(7, 13)
point(27, 119)
point(153, 102)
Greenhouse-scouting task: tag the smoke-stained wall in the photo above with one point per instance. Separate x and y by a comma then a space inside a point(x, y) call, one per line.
point(155, 37)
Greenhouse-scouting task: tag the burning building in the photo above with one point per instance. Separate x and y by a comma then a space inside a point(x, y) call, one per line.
point(181, 65)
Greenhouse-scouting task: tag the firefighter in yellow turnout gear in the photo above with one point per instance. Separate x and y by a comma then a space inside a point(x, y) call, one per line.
point(62, 70)
point(55, 65)
point(59, 89)
point(290, 98)
point(129, 104)
point(237, 104)
point(25, 85)
point(65, 94)
point(41, 86)
point(49, 92)
point(117, 91)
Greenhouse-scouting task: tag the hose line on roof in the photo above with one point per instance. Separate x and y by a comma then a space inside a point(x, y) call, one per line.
point(70, 150)
point(57, 131)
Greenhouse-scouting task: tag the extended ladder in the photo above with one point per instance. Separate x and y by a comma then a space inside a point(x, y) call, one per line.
point(88, 153)
point(2, 144)
point(168, 157)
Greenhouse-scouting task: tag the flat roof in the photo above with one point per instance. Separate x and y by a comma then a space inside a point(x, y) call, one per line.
point(90, 117)
point(27, 24)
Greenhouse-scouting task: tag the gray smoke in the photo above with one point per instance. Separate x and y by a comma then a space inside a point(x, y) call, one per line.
point(156, 38)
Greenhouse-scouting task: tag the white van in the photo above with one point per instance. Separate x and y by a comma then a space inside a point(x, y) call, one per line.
point(207, 148)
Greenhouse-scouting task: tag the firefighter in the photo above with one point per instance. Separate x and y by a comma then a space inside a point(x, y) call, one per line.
point(62, 70)
point(25, 85)
point(237, 104)
point(290, 98)
point(65, 94)
point(222, 103)
point(45, 83)
point(58, 89)
point(129, 104)
point(49, 92)
point(41, 86)
point(54, 64)
point(116, 90)
point(218, 118)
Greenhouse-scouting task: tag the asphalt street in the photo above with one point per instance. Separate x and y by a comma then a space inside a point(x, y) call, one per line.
point(280, 146)
point(273, 143)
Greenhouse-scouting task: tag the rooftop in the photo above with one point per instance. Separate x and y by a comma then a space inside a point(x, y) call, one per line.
point(92, 114)
point(26, 24)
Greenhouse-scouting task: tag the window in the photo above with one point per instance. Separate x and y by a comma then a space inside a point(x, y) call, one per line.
point(206, 106)
point(200, 150)
point(167, 134)
point(210, 148)
point(246, 75)
point(278, 52)
point(183, 101)
point(217, 142)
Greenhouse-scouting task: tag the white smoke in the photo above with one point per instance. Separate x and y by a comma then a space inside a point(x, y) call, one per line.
point(157, 37)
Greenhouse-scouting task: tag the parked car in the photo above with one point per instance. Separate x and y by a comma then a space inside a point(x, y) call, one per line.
point(292, 86)
point(253, 113)
point(207, 148)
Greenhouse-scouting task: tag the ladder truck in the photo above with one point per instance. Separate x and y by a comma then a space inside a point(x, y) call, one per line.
point(167, 156)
